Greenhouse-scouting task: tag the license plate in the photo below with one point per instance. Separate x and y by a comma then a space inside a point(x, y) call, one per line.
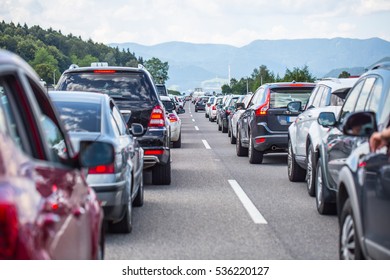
point(291, 119)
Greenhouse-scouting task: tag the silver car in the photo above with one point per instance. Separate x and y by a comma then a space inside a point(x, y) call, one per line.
point(119, 186)
point(305, 133)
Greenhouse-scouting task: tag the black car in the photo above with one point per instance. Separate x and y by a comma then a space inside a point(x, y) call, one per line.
point(134, 92)
point(263, 127)
point(363, 197)
point(370, 93)
point(224, 112)
point(200, 104)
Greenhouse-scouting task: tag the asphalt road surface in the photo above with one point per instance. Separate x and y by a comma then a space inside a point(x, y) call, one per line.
point(219, 207)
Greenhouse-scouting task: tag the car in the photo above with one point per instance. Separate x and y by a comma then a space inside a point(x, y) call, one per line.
point(263, 127)
point(174, 120)
point(305, 134)
point(119, 186)
point(370, 93)
point(208, 106)
point(133, 90)
point(200, 104)
point(363, 200)
point(47, 209)
point(162, 90)
point(225, 111)
point(240, 108)
point(213, 108)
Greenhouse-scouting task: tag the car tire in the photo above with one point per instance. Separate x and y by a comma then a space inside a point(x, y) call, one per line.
point(229, 131)
point(139, 199)
point(294, 171)
point(102, 243)
point(323, 207)
point(349, 245)
point(255, 157)
point(240, 150)
point(219, 126)
point(177, 144)
point(161, 174)
point(206, 115)
point(125, 225)
point(311, 171)
point(233, 139)
point(224, 128)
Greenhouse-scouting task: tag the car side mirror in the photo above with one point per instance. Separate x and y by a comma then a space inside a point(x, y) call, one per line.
point(94, 153)
point(137, 129)
point(126, 115)
point(294, 106)
point(360, 124)
point(239, 106)
point(327, 119)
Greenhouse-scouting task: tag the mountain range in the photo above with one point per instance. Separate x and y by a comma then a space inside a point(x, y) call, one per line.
point(190, 64)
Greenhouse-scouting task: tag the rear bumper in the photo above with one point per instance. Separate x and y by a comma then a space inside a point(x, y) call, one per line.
point(156, 143)
point(266, 140)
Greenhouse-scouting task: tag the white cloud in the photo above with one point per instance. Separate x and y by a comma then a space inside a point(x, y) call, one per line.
point(233, 22)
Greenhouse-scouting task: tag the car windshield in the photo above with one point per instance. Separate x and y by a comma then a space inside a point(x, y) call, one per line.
point(119, 85)
point(79, 116)
point(280, 97)
point(161, 91)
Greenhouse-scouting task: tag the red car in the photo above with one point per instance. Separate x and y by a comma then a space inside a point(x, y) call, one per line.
point(47, 210)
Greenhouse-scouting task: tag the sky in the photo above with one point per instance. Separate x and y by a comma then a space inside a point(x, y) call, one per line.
point(231, 22)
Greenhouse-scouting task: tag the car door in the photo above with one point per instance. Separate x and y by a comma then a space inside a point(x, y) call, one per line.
point(305, 119)
point(248, 116)
point(68, 215)
point(340, 146)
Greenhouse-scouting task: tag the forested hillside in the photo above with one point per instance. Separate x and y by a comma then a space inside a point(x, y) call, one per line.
point(50, 52)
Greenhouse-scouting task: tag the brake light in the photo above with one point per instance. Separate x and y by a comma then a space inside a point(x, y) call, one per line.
point(172, 118)
point(260, 140)
point(8, 230)
point(153, 152)
point(214, 107)
point(262, 110)
point(102, 169)
point(157, 117)
point(102, 71)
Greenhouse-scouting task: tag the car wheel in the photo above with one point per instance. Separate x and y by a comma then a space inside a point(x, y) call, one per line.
point(177, 144)
point(323, 207)
point(139, 199)
point(206, 115)
point(126, 224)
point(240, 150)
point(311, 171)
point(295, 172)
point(161, 174)
point(255, 157)
point(224, 128)
point(229, 131)
point(233, 139)
point(219, 126)
point(349, 246)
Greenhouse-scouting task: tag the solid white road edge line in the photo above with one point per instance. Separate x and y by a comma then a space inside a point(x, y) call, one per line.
point(196, 128)
point(206, 144)
point(248, 204)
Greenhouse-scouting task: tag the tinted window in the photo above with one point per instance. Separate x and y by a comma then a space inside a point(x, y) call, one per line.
point(161, 90)
point(119, 120)
point(169, 105)
point(129, 86)
point(361, 102)
point(80, 116)
point(280, 97)
point(350, 102)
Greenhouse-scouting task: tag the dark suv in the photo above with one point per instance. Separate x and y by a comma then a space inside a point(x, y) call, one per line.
point(133, 90)
point(370, 93)
point(263, 127)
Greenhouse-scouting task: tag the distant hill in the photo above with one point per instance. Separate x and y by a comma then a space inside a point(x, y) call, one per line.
point(190, 64)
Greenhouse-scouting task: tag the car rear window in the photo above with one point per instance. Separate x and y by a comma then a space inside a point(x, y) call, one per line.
point(80, 116)
point(280, 97)
point(131, 87)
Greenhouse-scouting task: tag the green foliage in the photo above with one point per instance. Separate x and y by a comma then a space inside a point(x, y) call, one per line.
point(158, 69)
point(298, 75)
point(344, 74)
point(174, 92)
point(50, 52)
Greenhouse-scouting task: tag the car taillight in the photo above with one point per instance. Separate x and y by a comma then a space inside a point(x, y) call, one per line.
point(262, 110)
point(157, 117)
point(102, 169)
point(102, 71)
point(214, 107)
point(8, 230)
point(153, 152)
point(172, 118)
point(228, 112)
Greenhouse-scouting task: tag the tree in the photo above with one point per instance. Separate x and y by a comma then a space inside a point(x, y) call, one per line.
point(344, 74)
point(298, 75)
point(158, 69)
point(261, 76)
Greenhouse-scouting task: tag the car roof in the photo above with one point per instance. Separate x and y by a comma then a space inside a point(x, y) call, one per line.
point(79, 96)
point(338, 83)
point(165, 98)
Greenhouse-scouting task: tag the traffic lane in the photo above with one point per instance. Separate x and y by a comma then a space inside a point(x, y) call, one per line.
point(197, 217)
point(285, 205)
